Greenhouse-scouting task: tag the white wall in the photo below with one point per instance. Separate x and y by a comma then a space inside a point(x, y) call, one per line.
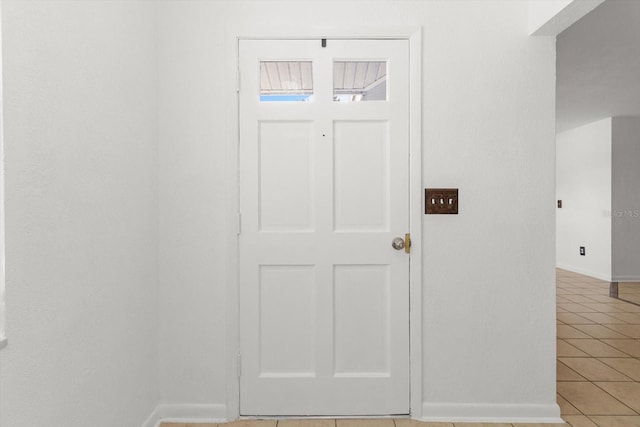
point(488, 120)
point(3, 338)
point(81, 203)
point(194, 252)
point(542, 11)
point(551, 17)
point(626, 199)
point(584, 186)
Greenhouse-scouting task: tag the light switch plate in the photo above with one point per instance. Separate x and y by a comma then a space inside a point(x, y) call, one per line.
point(441, 201)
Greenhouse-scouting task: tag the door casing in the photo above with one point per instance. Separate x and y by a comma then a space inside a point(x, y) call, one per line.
point(414, 36)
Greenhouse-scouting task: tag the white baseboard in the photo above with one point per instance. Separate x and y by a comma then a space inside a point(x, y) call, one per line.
point(153, 420)
point(187, 413)
point(586, 272)
point(489, 413)
point(434, 412)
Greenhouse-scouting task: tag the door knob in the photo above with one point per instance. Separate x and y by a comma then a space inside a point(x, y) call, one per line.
point(398, 243)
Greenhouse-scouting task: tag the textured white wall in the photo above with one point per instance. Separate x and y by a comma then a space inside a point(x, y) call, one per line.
point(3, 339)
point(551, 17)
point(626, 199)
point(488, 105)
point(81, 204)
point(584, 186)
point(194, 252)
point(542, 11)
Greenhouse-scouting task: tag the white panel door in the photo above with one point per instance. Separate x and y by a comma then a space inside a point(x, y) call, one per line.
point(324, 297)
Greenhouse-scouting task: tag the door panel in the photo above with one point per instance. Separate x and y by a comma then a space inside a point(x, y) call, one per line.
point(287, 337)
point(361, 168)
point(324, 298)
point(361, 313)
point(286, 197)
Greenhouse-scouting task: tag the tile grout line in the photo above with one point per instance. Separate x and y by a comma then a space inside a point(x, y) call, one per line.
point(568, 401)
point(629, 302)
point(572, 370)
point(622, 403)
point(585, 352)
point(620, 372)
point(608, 366)
point(616, 333)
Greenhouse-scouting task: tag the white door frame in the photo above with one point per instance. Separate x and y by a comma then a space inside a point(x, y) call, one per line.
point(414, 36)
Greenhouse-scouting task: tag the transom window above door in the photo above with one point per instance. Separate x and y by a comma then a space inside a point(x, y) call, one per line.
point(353, 81)
point(286, 81)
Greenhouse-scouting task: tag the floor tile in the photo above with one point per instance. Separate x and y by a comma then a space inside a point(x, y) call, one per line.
point(566, 349)
point(565, 373)
point(251, 423)
point(405, 422)
point(602, 298)
point(630, 331)
point(626, 392)
point(566, 408)
point(539, 425)
point(631, 318)
point(574, 319)
point(579, 298)
point(307, 423)
point(590, 399)
point(481, 425)
point(576, 308)
point(628, 297)
point(599, 331)
point(595, 348)
point(593, 369)
point(566, 331)
point(603, 307)
point(629, 366)
point(629, 346)
point(202, 425)
point(377, 422)
point(579, 421)
point(629, 308)
point(616, 421)
point(173, 425)
point(603, 318)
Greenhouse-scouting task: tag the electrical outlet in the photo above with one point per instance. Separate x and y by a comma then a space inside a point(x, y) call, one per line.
point(582, 251)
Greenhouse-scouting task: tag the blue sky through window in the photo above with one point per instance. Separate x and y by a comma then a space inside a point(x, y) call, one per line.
point(285, 98)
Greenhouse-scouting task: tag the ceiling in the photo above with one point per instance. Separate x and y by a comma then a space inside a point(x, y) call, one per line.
point(286, 77)
point(278, 77)
point(598, 66)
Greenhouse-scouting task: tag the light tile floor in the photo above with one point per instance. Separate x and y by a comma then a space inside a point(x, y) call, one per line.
point(598, 354)
point(598, 365)
point(629, 292)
